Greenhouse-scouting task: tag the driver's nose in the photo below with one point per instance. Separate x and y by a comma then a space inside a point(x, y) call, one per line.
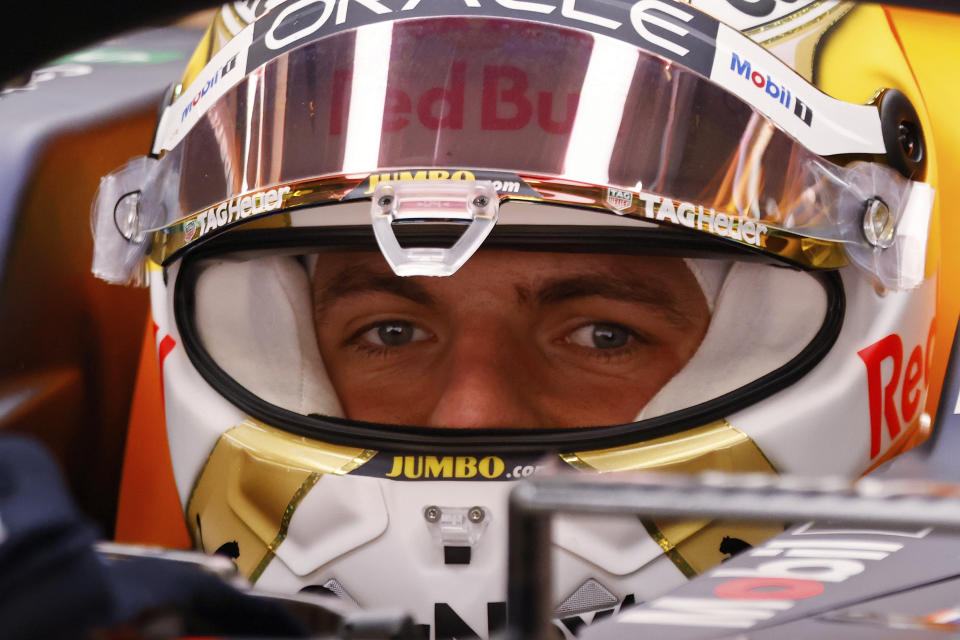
point(486, 382)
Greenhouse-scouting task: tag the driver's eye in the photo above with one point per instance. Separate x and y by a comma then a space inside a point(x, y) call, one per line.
point(394, 333)
point(601, 335)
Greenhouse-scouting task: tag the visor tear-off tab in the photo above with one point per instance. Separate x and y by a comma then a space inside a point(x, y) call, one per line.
point(119, 223)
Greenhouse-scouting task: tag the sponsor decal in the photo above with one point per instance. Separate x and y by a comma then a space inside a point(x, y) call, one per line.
point(504, 183)
point(910, 376)
point(823, 124)
point(235, 209)
point(773, 89)
point(505, 99)
point(446, 467)
point(619, 199)
point(189, 229)
point(425, 174)
point(665, 27)
point(447, 623)
point(697, 217)
point(220, 74)
point(674, 30)
point(773, 578)
point(208, 85)
point(441, 467)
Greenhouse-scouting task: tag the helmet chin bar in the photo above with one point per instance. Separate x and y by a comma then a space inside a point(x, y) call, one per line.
point(470, 202)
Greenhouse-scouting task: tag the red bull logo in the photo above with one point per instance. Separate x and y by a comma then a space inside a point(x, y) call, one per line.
point(895, 400)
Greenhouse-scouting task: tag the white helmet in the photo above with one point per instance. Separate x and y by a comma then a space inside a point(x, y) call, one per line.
point(403, 254)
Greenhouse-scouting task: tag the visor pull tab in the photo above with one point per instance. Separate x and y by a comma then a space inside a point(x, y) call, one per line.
point(465, 203)
point(120, 219)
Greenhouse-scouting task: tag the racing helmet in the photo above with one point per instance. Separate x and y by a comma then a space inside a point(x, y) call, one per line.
point(403, 255)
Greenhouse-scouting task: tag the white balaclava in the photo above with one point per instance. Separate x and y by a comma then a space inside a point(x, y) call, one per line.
point(260, 312)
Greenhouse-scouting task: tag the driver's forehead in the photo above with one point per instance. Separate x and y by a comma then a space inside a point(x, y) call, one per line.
point(526, 276)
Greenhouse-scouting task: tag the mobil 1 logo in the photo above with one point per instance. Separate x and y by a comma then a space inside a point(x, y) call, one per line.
point(672, 29)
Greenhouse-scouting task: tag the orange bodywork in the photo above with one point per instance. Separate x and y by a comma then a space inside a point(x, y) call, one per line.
point(932, 46)
point(149, 511)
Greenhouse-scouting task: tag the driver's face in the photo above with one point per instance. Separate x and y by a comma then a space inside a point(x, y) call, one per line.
point(513, 339)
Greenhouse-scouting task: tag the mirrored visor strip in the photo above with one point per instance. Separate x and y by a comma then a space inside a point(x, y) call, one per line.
point(674, 31)
point(278, 207)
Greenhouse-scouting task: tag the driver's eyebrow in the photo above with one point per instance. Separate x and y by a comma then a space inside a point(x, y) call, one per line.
point(612, 286)
point(358, 280)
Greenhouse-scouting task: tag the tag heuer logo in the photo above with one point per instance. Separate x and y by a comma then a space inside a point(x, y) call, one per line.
point(189, 230)
point(619, 200)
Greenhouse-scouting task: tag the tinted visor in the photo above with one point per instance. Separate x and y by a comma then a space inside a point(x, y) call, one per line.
point(497, 94)
point(533, 100)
